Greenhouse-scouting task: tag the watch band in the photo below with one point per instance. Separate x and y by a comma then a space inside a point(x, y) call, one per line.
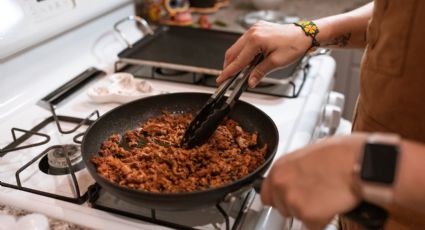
point(367, 213)
point(377, 193)
point(310, 29)
point(384, 138)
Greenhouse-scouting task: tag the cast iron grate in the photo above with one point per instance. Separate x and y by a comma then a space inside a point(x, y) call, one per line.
point(15, 145)
point(50, 102)
point(286, 83)
point(94, 194)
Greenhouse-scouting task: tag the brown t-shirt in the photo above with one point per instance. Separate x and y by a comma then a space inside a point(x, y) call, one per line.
point(392, 93)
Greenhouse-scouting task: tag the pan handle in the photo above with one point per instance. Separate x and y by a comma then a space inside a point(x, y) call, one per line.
point(257, 184)
point(144, 26)
point(366, 214)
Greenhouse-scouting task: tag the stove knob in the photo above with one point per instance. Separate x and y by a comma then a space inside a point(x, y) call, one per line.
point(331, 118)
point(337, 99)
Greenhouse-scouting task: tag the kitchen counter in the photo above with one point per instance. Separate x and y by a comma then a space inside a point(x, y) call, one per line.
point(304, 9)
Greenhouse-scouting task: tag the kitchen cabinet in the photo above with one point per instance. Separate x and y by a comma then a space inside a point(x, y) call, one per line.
point(347, 77)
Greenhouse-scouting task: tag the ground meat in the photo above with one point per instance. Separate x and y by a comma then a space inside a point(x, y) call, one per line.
point(149, 158)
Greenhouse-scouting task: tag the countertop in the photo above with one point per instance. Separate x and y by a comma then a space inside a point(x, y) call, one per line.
point(305, 9)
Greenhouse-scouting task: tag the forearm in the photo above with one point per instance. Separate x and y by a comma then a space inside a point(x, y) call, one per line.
point(284, 44)
point(347, 30)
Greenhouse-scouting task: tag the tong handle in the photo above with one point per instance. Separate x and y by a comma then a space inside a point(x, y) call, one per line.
point(213, 102)
point(215, 99)
point(221, 90)
point(243, 82)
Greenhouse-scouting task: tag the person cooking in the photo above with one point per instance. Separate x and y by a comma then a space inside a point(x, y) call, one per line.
point(381, 161)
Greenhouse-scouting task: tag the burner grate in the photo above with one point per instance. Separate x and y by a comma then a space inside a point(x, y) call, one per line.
point(96, 193)
point(287, 82)
point(16, 141)
point(15, 146)
point(79, 122)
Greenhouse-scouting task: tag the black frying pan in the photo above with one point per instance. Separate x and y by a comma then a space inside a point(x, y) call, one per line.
point(129, 116)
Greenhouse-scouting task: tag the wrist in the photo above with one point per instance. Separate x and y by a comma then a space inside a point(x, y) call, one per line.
point(356, 183)
point(324, 36)
point(310, 30)
point(302, 42)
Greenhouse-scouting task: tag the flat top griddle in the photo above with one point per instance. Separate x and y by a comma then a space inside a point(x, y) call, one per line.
point(182, 48)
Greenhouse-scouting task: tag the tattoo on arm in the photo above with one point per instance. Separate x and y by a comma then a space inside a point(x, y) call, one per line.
point(341, 41)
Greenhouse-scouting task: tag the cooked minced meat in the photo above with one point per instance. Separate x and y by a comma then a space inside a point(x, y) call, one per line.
point(149, 158)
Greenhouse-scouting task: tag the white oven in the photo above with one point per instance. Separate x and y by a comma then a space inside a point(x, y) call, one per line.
point(45, 44)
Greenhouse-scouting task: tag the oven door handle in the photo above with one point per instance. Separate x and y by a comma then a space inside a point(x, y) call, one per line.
point(54, 98)
point(143, 25)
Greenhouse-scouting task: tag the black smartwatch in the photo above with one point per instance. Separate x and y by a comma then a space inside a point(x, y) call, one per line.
point(377, 170)
point(378, 166)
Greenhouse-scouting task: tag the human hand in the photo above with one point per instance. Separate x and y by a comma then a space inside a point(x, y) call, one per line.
point(280, 44)
point(315, 183)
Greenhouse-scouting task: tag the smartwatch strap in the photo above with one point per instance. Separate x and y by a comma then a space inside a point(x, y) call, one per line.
point(368, 215)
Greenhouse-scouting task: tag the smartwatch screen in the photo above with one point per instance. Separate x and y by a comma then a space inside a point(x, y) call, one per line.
point(379, 163)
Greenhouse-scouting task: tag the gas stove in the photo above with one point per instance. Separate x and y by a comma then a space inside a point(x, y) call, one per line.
point(42, 123)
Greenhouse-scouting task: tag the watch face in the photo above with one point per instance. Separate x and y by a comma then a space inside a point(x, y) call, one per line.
point(379, 163)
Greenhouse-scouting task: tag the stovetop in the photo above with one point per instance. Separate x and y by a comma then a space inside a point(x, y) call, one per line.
point(46, 161)
point(292, 129)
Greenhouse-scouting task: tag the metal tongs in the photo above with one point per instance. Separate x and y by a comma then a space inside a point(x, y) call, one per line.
point(217, 107)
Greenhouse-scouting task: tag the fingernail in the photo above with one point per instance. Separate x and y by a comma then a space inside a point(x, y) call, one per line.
point(218, 79)
point(253, 82)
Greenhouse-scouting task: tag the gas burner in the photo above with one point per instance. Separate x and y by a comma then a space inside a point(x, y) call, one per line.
point(170, 72)
point(55, 159)
point(55, 162)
